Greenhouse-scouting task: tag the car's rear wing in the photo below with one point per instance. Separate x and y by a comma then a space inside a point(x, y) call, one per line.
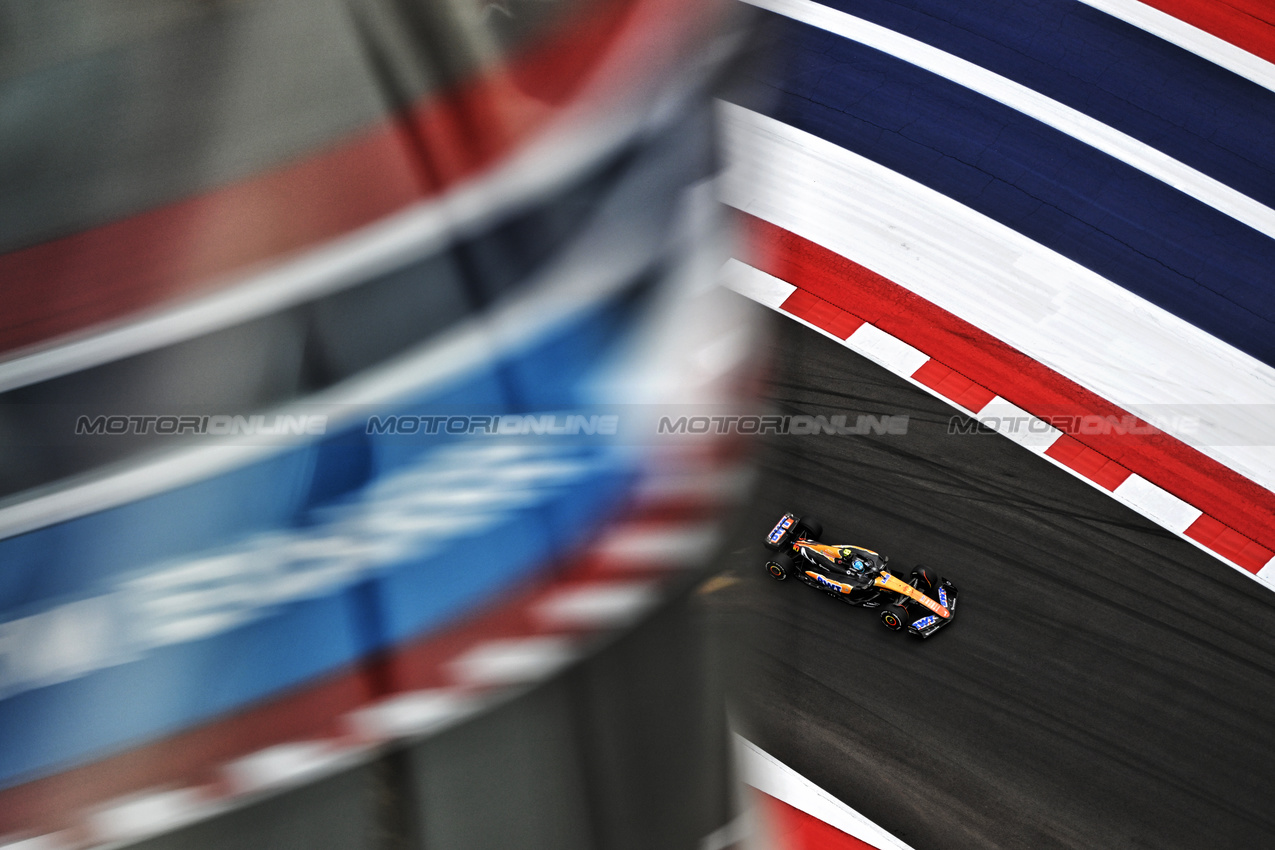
point(781, 535)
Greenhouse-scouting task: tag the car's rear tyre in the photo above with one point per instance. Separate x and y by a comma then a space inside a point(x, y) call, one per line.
point(926, 580)
point(894, 617)
point(778, 571)
point(812, 528)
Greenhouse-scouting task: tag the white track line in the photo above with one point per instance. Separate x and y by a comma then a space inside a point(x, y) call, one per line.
point(771, 776)
point(1136, 355)
point(1074, 123)
point(1203, 44)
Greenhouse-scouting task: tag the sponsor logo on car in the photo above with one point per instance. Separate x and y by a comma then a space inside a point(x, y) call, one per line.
point(925, 621)
point(824, 582)
point(943, 596)
point(778, 531)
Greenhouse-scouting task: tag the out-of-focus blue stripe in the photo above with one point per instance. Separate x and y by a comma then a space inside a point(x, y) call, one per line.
point(175, 686)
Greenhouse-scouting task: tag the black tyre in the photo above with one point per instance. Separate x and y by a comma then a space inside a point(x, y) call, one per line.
point(811, 527)
point(778, 571)
point(894, 617)
point(926, 580)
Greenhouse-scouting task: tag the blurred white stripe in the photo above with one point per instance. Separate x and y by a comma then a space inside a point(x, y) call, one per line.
point(659, 545)
point(54, 841)
point(597, 605)
point(146, 813)
point(513, 661)
point(282, 765)
point(549, 162)
point(412, 713)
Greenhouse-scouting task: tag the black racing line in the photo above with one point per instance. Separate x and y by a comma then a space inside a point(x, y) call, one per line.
point(1104, 685)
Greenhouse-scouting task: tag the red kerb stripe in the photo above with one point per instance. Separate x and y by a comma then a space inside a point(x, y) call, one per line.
point(1169, 463)
point(1248, 24)
point(821, 314)
point(1095, 466)
point(1229, 543)
point(793, 829)
point(953, 385)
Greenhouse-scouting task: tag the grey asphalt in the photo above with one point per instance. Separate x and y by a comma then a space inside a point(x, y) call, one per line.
point(1105, 684)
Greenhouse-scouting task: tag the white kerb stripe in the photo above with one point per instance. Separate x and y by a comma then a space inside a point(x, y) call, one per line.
point(755, 283)
point(1267, 574)
point(771, 776)
point(1158, 504)
point(1010, 420)
point(1035, 105)
point(1052, 309)
point(890, 351)
point(1203, 44)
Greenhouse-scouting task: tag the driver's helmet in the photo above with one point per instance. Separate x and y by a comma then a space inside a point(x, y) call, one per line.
point(853, 563)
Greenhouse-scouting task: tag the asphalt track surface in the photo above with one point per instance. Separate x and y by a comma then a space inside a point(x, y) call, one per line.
point(1105, 685)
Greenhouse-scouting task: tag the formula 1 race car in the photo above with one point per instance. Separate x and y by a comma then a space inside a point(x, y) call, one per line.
point(923, 604)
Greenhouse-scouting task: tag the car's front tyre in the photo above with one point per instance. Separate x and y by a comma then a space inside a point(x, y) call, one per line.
point(894, 617)
point(778, 571)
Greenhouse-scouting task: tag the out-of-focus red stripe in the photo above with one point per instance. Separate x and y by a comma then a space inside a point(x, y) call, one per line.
point(188, 248)
point(1158, 457)
point(1248, 24)
point(793, 829)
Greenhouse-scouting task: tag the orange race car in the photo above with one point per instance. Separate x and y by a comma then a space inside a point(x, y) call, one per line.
point(923, 604)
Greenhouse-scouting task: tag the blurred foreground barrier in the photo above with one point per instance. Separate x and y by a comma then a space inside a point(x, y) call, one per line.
point(627, 748)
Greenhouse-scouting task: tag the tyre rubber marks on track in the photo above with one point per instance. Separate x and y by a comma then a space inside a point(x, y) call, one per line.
point(944, 381)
